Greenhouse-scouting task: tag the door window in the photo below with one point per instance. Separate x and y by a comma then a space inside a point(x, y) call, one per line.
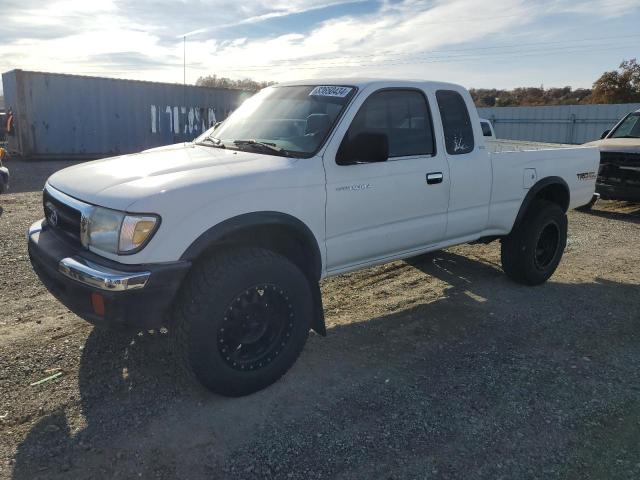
point(458, 132)
point(403, 115)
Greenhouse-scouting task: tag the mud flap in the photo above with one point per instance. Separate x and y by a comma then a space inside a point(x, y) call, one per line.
point(318, 324)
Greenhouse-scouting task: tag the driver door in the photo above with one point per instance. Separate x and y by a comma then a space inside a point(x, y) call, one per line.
point(384, 209)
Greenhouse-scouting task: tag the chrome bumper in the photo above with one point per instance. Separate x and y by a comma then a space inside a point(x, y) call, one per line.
point(94, 275)
point(101, 277)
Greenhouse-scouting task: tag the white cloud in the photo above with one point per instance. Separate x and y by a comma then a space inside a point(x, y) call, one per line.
point(139, 39)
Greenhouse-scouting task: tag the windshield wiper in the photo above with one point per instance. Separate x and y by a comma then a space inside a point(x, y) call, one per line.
point(211, 142)
point(626, 136)
point(264, 146)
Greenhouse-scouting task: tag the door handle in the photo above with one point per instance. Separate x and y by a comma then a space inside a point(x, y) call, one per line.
point(434, 177)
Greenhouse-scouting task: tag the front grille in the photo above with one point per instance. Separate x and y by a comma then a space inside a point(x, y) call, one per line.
point(67, 219)
point(619, 169)
point(621, 158)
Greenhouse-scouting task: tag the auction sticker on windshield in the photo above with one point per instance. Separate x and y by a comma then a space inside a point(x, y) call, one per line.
point(330, 91)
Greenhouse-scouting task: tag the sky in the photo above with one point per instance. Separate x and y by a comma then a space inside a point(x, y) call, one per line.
point(482, 44)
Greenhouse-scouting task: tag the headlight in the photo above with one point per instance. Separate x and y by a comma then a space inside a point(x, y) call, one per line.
point(116, 232)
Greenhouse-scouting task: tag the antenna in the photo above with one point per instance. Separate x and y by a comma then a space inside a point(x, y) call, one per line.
point(184, 62)
point(184, 71)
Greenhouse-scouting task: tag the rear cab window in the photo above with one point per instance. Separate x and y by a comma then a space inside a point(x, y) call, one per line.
point(458, 131)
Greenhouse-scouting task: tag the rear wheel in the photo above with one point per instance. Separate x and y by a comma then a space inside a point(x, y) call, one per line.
point(531, 253)
point(242, 320)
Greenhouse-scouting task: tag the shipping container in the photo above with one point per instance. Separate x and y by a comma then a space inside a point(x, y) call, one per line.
point(72, 116)
point(575, 124)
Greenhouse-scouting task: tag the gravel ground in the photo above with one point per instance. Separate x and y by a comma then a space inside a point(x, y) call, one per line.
point(438, 367)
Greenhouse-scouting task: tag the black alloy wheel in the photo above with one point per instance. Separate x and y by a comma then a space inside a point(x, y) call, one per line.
point(257, 326)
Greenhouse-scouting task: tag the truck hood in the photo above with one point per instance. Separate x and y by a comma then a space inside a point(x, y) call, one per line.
point(626, 145)
point(119, 181)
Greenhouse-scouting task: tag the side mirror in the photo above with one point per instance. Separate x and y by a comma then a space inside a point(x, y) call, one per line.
point(365, 147)
point(604, 134)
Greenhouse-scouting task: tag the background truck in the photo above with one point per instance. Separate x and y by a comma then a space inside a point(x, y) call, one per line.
point(224, 240)
point(619, 172)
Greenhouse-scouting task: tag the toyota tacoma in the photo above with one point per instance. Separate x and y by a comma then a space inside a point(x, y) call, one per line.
point(224, 240)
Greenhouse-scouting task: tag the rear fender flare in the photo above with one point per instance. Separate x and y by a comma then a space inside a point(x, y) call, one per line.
point(534, 192)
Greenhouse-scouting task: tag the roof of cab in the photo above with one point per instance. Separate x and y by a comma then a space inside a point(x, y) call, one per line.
point(366, 82)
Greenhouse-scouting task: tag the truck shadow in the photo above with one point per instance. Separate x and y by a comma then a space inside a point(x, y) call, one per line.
point(633, 217)
point(620, 211)
point(488, 353)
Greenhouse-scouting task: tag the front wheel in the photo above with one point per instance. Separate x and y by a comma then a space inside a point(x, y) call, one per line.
point(242, 320)
point(531, 253)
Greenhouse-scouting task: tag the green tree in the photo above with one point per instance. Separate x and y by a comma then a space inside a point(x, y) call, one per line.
point(618, 86)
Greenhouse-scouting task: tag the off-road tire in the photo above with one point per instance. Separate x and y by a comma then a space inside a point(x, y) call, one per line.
point(520, 250)
point(201, 313)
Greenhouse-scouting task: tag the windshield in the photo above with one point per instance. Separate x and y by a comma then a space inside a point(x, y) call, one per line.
point(294, 120)
point(628, 128)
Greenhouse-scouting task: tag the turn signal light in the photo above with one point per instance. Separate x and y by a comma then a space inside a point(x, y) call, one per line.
point(97, 302)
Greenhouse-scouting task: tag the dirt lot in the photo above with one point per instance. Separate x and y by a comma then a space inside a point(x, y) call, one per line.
point(438, 367)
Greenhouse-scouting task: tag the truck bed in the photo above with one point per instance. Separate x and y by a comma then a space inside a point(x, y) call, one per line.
point(500, 145)
point(516, 170)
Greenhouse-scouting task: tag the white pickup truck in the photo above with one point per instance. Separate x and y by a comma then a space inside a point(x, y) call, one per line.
point(224, 240)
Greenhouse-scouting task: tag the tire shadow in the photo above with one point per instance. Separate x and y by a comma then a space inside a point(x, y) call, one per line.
point(124, 380)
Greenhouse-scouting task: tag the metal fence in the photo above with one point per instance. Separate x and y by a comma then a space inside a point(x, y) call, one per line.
point(556, 124)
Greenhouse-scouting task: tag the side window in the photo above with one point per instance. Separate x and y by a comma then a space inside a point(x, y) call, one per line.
point(458, 132)
point(486, 129)
point(403, 115)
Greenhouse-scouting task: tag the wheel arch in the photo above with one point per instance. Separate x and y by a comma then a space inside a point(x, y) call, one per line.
point(253, 228)
point(553, 189)
point(279, 232)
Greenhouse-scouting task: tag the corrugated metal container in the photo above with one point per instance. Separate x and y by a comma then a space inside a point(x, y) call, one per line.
point(555, 124)
point(70, 116)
